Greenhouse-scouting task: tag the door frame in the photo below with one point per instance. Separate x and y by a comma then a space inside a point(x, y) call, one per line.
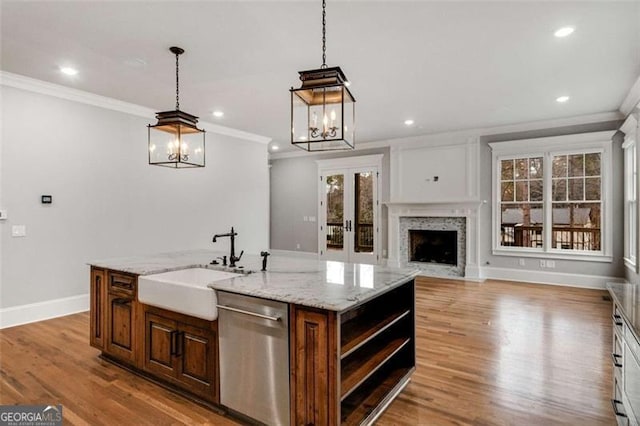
point(344, 165)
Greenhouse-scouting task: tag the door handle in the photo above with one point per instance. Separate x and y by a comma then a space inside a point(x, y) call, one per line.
point(253, 314)
point(615, 357)
point(174, 342)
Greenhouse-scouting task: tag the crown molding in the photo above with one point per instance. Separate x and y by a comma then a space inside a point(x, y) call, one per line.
point(75, 95)
point(632, 99)
point(469, 135)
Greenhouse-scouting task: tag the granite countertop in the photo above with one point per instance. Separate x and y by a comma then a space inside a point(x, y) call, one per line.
point(330, 285)
point(627, 297)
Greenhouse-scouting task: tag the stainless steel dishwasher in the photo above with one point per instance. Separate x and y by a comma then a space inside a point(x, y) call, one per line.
point(254, 357)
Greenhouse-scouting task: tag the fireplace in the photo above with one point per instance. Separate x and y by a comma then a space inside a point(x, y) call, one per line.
point(433, 246)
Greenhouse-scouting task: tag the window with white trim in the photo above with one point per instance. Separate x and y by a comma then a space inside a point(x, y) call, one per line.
point(551, 197)
point(630, 202)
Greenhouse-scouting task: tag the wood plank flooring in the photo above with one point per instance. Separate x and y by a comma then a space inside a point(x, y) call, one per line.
point(492, 353)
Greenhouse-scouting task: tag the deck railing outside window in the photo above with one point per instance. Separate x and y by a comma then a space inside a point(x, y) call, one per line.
point(563, 237)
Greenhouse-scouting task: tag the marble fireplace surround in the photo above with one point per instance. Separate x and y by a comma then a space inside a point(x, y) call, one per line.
point(469, 210)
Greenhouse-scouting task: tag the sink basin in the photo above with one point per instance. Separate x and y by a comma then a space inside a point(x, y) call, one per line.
point(183, 291)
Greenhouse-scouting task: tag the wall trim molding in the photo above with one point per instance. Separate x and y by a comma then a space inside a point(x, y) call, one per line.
point(550, 278)
point(435, 139)
point(632, 99)
point(293, 253)
point(40, 311)
point(75, 95)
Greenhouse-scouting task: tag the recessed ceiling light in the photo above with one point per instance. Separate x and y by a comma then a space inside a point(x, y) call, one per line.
point(218, 114)
point(408, 122)
point(564, 31)
point(68, 70)
point(562, 99)
point(274, 147)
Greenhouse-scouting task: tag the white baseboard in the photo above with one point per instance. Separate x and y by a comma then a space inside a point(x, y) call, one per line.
point(25, 314)
point(544, 277)
point(293, 253)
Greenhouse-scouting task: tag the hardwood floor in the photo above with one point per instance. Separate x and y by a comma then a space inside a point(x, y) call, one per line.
point(492, 353)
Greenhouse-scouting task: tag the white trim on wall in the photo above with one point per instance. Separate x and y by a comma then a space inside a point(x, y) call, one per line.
point(444, 138)
point(552, 278)
point(45, 88)
point(33, 312)
point(632, 100)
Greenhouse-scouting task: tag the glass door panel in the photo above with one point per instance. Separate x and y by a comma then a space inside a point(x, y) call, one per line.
point(349, 215)
point(361, 224)
point(334, 216)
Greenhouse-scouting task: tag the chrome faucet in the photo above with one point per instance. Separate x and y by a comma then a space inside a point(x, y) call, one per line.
point(232, 256)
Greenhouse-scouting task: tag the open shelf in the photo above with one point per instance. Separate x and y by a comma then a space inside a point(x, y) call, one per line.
point(361, 329)
point(358, 369)
point(368, 397)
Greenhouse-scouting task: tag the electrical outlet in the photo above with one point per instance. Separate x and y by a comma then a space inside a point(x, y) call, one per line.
point(543, 263)
point(305, 218)
point(312, 218)
point(297, 246)
point(18, 231)
point(551, 263)
point(521, 262)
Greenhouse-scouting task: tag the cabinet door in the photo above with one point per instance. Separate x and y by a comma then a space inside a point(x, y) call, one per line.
point(160, 344)
point(121, 314)
point(197, 353)
point(97, 308)
point(313, 367)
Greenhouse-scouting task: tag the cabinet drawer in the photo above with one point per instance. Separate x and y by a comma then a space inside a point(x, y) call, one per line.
point(618, 408)
point(617, 356)
point(618, 321)
point(121, 283)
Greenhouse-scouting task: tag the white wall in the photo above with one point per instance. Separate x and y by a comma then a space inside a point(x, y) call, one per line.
point(107, 201)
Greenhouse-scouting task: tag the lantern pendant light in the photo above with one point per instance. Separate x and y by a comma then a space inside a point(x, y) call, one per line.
point(175, 140)
point(323, 108)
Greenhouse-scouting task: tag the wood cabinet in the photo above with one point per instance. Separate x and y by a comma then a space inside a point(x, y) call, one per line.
point(313, 360)
point(182, 350)
point(121, 317)
point(345, 367)
point(97, 300)
point(625, 356)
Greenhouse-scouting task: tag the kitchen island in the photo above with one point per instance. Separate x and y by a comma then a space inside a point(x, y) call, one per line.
point(351, 331)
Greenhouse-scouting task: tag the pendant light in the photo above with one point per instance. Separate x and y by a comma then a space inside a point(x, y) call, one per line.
point(323, 108)
point(175, 140)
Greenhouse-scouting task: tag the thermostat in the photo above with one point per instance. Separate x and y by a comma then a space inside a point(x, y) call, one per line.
point(47, 199)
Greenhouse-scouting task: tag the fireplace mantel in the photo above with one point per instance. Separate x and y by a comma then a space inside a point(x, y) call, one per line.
point(467, 208)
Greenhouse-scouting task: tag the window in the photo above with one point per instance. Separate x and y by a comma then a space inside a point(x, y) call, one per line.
point(631, 201)
point(551, 199)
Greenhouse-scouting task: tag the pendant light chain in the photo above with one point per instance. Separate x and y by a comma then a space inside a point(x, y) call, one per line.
point(177, 83)
point(324, 34)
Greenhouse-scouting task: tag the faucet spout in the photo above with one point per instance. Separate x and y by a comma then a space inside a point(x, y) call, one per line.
point(232, 236)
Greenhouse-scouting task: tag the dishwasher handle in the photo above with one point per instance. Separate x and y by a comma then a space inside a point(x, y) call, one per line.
point(242, 311)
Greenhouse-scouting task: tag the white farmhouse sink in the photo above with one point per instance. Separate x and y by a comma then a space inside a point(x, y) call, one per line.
point(183, 291)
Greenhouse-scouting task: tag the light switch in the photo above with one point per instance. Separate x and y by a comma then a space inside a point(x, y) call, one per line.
point(312, 218)
point(3, 215)
point(18, 231)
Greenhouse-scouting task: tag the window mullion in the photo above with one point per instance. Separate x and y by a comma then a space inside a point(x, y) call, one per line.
point(547, 224)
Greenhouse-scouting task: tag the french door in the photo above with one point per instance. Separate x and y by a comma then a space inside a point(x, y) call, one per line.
point(349, 210)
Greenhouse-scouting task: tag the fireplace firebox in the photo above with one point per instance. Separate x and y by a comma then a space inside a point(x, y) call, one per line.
point(430, 246)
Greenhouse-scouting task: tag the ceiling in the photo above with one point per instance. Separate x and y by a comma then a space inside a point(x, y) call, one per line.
point(446, 65)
